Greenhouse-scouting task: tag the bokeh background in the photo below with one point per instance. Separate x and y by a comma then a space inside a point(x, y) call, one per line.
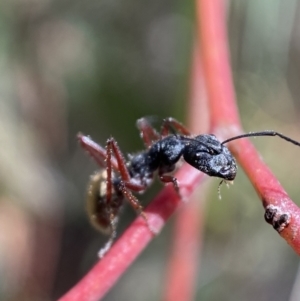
point(96, 66)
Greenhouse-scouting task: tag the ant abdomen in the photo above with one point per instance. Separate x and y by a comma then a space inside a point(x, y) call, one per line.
point(103, 217)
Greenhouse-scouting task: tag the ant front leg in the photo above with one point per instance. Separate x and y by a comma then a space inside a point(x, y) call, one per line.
point(171, 123)
point(112, 147)
point(147, 132)
point(126, 184)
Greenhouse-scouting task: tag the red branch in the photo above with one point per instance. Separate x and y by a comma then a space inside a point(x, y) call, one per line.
point(211, 16)
point(269, 190)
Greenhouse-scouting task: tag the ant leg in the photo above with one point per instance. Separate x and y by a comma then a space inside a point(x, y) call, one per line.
point(171, 123)
point(97, 152)
point(113, 219)
point(169, 179)
point(147, 132)
point(113, 225)
point(112, 146)
point(134, 202)
point(126, 185)
point(109, 174)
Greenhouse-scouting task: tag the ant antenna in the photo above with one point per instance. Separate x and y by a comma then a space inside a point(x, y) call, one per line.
point(263, 133)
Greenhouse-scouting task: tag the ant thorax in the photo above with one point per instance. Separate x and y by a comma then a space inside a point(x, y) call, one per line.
point(139, 169)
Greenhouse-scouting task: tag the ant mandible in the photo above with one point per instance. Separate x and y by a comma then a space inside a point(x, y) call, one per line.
point(118, 179)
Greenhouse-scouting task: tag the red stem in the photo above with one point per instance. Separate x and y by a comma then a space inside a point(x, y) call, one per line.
point(211, 16)
point(269, 189)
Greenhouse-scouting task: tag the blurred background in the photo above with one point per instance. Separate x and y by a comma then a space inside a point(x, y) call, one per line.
point(96, 66)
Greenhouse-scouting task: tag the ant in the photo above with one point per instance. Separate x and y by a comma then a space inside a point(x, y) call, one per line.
point(118, 178)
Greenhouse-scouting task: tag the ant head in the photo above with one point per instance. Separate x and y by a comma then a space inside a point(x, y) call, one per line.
point(208, 155)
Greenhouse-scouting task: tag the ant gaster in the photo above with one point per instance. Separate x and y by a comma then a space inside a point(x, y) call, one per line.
point(118, 179)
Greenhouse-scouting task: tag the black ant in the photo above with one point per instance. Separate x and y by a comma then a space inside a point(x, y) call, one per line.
point(118, 178)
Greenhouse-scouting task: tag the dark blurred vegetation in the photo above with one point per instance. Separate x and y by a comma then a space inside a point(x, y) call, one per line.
point(97, 66)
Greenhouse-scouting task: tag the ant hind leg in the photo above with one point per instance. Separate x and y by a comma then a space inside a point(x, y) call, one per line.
point(170, 124)
point(147, 132)
point(96, 151)
point(113, 225)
